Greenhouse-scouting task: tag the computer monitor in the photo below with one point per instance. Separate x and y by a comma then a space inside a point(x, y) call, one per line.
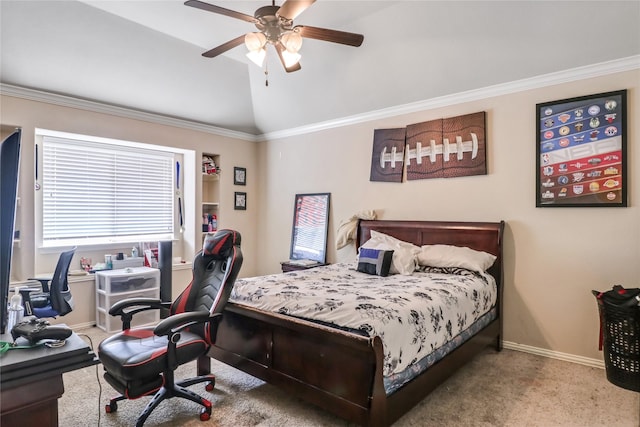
point(9, 171)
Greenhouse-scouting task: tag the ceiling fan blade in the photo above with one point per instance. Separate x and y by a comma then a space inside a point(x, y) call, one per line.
point(291, 69)
point(220, 10)
point(290, 9)
point(224, 47)
point(327, 35)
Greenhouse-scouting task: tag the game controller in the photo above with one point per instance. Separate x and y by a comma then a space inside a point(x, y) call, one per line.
point(35, 330)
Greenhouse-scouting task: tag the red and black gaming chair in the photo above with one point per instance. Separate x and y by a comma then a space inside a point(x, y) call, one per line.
point(141, 361)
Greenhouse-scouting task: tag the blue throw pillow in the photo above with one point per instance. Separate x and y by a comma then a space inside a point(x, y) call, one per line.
point(374, 261)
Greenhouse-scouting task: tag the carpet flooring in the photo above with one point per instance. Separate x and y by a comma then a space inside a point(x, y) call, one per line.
point(508, 388)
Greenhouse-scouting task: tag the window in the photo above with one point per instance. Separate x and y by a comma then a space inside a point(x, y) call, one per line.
point(99, 191)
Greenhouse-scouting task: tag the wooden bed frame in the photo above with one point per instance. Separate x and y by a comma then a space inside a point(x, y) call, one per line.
point(339, 371)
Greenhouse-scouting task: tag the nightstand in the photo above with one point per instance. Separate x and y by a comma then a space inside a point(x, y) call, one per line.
point(288, 266)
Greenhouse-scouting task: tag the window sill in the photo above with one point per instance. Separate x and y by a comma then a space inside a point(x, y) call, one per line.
point(86, 277)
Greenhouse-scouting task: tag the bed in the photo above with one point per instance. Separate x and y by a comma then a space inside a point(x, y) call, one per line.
point(343, 370)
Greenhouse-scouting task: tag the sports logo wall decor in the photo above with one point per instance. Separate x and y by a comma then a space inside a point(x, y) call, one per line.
point(581, 151)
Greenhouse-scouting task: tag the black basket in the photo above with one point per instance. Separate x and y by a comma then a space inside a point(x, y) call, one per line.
point(620, 337)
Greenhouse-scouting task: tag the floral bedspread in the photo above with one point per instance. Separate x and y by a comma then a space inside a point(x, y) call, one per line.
point(413, 315)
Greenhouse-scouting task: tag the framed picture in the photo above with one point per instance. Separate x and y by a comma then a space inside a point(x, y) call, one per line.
point(310, 227)
point(581, 151)
point(240, 201)
point(239, 176)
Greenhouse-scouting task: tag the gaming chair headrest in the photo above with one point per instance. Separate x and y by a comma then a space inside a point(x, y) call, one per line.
point(220, 244)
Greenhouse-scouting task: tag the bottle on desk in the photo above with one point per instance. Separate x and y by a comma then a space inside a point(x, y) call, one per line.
point(16, 310)
point(108, 262)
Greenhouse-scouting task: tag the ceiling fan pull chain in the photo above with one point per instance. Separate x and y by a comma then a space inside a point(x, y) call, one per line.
point(266, 75)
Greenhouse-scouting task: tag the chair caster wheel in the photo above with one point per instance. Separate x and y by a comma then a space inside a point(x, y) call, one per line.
point(111, 407)
point(210, 385)
point(205, 414)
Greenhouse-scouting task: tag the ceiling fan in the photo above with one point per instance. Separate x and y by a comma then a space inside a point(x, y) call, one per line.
point(275, 27)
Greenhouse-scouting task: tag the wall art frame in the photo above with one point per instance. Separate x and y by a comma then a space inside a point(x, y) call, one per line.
point(581, 151)
point(240, 201)
point(239, 176)
point(310, 227)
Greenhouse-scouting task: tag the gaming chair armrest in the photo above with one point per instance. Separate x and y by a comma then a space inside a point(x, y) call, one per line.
point(182, 320)
point(117, 309)
point(138, 304)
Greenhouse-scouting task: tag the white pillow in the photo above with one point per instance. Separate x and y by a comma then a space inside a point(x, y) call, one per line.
point(404, 253)
point(455, 256)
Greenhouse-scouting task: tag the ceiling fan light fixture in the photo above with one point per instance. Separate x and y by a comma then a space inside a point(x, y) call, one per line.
point(255, 41)
point(275, 27)
point(257, 56)
point(290, 58)
point(292, 41)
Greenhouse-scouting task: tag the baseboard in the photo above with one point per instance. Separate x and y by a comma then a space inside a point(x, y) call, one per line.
point(594, 363)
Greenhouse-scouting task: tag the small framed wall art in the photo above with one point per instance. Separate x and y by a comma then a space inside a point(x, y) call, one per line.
point(240, 199)
point(581, 151)
point(239, 176)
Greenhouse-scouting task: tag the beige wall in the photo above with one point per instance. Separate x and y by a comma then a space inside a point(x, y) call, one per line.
point(554, 257)
point(233, 152)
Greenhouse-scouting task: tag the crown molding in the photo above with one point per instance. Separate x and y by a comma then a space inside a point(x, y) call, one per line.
point(570, 75)
point(98, 107)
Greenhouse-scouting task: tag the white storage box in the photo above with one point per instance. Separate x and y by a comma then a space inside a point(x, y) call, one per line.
point(115, 285)
point(127, 280)
point(127, 262)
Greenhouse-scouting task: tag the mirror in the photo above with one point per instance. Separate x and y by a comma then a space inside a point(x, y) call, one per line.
point(310, 225)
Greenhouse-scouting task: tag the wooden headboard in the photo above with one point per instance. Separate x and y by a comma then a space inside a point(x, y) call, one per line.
point(481, 236)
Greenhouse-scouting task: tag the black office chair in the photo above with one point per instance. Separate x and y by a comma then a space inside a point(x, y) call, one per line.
point(55, 298)
point(141, 361)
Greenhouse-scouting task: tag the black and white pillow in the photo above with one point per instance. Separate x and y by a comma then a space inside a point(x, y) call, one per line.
point(375, 261)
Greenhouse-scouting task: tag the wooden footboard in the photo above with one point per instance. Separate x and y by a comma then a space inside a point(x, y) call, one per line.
point(339, 371)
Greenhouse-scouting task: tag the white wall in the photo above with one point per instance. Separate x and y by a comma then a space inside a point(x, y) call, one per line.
point(553, 257)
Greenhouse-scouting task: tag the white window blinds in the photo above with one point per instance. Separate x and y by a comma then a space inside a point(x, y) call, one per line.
point(95, 193)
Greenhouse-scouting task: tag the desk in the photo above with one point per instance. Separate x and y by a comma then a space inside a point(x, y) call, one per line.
point(31, 380)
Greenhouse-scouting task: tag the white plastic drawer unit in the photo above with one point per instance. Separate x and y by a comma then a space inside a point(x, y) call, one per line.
point(106, 301)
point(115, 285)
point(127, 280)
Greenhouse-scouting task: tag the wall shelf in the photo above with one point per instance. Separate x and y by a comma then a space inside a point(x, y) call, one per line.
point(210, 193)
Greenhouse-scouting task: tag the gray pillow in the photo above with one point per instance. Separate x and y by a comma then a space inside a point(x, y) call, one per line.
point(375, 261)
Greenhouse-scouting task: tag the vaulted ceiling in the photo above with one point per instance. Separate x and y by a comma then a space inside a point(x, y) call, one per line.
point(146, 54)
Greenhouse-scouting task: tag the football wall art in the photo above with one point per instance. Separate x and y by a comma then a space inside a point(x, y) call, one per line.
point(447, 148)
point(441, 148)
point(387, 159)
point(581, 151)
